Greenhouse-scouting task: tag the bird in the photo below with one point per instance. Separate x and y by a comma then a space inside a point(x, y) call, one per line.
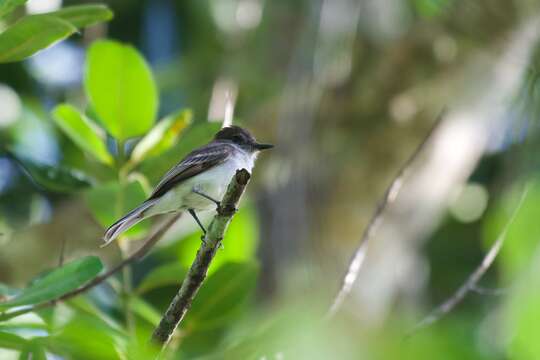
point(197, 181)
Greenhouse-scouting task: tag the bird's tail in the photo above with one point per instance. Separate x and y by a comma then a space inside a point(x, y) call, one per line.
point(130, 219)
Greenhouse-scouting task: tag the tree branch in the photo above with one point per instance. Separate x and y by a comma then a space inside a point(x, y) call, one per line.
point(389, 196)
point(147, 245)
point(471, 284)
point(197, 273)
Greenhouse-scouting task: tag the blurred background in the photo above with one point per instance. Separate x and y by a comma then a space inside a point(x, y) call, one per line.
point(346, 90)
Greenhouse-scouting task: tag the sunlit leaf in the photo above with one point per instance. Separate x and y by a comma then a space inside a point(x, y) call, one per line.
point(109, 202)
point(53, 178)
point(7, 6)
point(31, 34)
point(162, 136)
point(168, 274)
point(57, 282)
point(84, 15)
point(82, 131)
point(121, 88)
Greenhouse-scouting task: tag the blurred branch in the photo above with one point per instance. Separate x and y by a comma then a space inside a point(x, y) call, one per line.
point(62, 252)
point(471, 284)
point(147, 245)
point(197, 273)
point(376, 218)
point(480, 290)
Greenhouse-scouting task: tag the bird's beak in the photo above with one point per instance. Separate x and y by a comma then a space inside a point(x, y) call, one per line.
point(263, 146)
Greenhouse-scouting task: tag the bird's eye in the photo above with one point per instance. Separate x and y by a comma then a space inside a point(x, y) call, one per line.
point(237, 139)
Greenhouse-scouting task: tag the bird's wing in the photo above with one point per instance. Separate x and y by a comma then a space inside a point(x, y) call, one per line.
point(193, 164)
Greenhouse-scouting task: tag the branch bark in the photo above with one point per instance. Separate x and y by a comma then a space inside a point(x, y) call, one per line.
point(471, 284)
point(199, 268)
point(389, 196)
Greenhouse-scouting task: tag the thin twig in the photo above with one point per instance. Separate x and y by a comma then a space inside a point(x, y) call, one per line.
point(474, 278)
point(376, 218)
point(62, 252)
point(480, 290)
point(147, 245)
point(197, 273)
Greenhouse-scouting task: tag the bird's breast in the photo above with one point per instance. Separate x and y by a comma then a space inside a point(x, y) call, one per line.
point(214, 182)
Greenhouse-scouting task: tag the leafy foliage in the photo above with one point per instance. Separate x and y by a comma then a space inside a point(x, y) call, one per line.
point(36, 32)
point(7, 6)
point(83, 132)
point(31, 34)
point(57, 282)
point(121, 89)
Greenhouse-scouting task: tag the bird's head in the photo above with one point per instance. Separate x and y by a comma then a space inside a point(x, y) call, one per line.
point(242, 138)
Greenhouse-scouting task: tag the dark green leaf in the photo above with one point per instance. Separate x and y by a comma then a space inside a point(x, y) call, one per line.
point(31, 34)
point(83, 132)
point(7, 6)
point(33, 351)
point(162, 136)
point(221, 297)
point(86, 337)
point(11, 341)
point(109, 202)
point(58, 179)
point(121, 88)
point(168, 274)
point(84, 15)
point(57, 282)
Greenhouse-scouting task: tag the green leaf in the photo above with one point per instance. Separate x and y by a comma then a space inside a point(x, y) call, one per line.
point(239, 244)
point(221, 296)
point(7, 6)
point(144, 310)
point(33, 351)
point(31, 34)
point(168, 274)
point(6, 290)
point(57, 282)
point(162, 136)
point(82, 131)
point(86, 337)
point(109, 202)
point(84, 15)
point(11, 341)
point(121, 88)
point(57, 179)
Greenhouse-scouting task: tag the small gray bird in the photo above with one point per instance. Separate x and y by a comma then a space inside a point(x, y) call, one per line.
point(197, 182)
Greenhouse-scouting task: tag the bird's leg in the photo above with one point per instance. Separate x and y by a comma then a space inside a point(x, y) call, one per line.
point(198, 192)
point(194, 215)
